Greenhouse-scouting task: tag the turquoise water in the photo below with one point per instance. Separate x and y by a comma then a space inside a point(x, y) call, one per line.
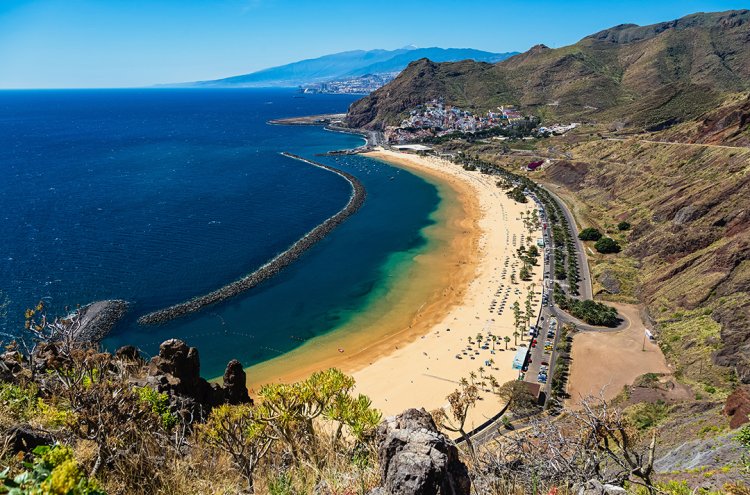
point(157, 196)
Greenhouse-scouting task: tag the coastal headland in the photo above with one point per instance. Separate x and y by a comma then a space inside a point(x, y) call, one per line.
point(274, 266)
point(321, 119)
point(413, 349)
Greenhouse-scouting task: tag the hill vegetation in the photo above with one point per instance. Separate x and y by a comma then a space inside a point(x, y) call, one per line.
point(643, 76)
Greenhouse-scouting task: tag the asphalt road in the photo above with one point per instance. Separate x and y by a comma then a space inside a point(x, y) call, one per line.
point(583, 264)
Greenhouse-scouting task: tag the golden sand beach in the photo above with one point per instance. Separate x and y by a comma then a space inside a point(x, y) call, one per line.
point(404, 353)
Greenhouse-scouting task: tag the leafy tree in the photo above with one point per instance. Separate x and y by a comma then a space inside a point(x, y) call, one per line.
point(592, 312)
point(623, 226)
point(239, 432)
point(517, 195)
point(516, 394)
point(459, 403)
point(607, 245)
point(590, 234)
point(291, 409)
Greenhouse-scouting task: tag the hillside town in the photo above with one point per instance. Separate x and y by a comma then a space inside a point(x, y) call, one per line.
point(359, 85)
point(436, 119)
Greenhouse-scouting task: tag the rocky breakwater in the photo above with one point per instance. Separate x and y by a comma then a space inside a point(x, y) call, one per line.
point(94, 321)
point(274, 266)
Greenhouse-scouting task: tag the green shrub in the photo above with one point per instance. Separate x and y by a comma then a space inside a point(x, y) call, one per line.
point(645, 416)
point(623, 226)
point(743, 436)
point(607, 245)
point(159, 403)
point(53, 471)
point(590, 234)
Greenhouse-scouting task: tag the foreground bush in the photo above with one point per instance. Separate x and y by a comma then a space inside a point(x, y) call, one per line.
point(52, 471)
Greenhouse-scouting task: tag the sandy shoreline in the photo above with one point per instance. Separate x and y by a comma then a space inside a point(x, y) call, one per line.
point(408, 309)
point(406, 356)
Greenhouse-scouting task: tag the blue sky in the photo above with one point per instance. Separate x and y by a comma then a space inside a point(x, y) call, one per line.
point(121, 43)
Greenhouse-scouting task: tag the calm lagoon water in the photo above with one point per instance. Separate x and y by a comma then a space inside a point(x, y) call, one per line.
point(156, 196)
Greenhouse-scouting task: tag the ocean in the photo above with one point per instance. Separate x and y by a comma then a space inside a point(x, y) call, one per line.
point(156, 196)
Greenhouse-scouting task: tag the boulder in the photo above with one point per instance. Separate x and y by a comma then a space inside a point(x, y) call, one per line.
point(11, 364)
point(416, 459)
point(235, 384)
point(25, 438)
point(596, 487)
point(609, 281)
point(128, 353)
point(737, 407)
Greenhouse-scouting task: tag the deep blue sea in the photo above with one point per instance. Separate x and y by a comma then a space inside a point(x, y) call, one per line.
point(159, 195)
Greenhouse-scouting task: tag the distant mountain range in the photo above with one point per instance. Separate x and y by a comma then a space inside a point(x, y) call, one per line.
point(347, 65)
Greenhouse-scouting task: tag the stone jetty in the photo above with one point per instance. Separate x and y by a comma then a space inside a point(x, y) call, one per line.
point(98, 318)
point(274, 266)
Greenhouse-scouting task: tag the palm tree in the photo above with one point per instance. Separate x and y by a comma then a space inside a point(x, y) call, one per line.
point(463, 382)
point(494, 383)
point(481, 371)
point(506, 339)
point(494, 340)
point(516, 315)
point(492, 362)
point(515, 336)
point(473, 377)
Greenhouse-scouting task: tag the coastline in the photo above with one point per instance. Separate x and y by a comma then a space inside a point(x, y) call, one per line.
point(407, 307)
point(449, 287)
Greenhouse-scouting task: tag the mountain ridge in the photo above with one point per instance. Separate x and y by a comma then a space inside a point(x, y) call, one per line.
point(353, 63)
point(672, 70)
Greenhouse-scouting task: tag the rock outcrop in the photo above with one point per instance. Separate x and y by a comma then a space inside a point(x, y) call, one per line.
point(11, 363)
point(416, 459)
point(128, 353)
point(596, 487)
point(25, 438)
point(737, 407)
point(176, 371)
point(235, 384)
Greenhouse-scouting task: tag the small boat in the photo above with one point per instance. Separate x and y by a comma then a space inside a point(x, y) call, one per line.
point(341, 350)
